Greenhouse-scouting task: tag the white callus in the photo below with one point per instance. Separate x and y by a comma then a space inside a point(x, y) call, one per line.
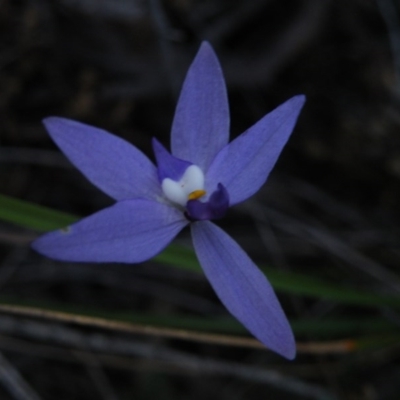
point(178, 191)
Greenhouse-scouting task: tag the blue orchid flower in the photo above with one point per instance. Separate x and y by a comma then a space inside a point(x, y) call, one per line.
point(195, 183)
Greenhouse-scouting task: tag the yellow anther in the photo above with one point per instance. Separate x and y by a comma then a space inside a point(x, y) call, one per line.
point(196, 194)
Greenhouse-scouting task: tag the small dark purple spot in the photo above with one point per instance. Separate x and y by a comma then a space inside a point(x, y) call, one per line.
point(215, 208)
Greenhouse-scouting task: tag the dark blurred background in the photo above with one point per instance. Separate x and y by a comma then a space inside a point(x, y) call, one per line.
point(330, 208)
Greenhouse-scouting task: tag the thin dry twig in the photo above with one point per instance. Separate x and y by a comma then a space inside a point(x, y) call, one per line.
point(339, 346)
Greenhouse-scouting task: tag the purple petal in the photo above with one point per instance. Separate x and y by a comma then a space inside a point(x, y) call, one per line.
point(215, 208)
point(109, 162)
point(242, 288)
point(168, 165)
point(201, 123)
point(131, 231)
point(244, 164)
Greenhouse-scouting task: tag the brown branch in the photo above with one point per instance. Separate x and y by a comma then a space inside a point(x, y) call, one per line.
point(339, 346)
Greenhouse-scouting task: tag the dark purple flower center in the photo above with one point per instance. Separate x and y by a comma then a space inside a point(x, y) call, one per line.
point(214, 208)
point(183, 184)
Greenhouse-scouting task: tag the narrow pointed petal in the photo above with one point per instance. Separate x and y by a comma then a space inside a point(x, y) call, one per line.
point(244, 164)
point(131, 231)
point(109, 162)
point(242, 288)
point(201, 125)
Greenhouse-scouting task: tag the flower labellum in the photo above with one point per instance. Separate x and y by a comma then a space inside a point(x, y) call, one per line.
point(195, 183)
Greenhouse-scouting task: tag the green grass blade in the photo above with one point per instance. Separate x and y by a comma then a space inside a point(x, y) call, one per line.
point(43, 219)
point(289, 282)
point(32, 216)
